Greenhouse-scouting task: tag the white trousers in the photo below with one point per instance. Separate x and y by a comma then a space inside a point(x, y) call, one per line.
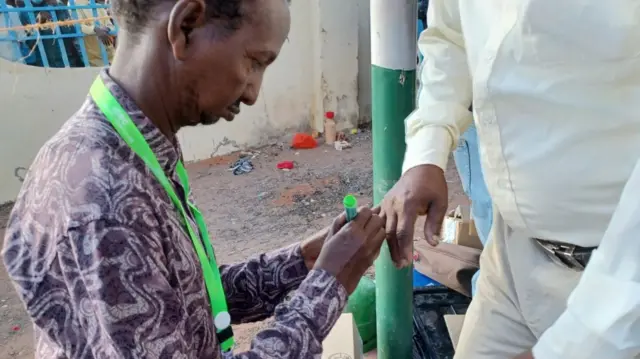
point(520, 293)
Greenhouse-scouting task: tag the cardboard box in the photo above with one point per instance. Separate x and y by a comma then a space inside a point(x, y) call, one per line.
point(459, 228)
point(343, 342)
point(454, 326)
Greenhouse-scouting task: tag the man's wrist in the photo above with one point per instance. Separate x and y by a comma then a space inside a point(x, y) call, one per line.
point(427, 146)
point(322, 296)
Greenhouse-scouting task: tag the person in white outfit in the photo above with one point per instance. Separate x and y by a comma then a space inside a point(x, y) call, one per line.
point(555, 87)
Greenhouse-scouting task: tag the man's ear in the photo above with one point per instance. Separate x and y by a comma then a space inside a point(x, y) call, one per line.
point(186, 16)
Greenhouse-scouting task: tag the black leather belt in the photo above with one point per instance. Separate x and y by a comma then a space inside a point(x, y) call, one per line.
point(568, 255)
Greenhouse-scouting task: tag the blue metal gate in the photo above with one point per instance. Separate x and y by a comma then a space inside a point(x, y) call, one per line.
point(57, 33)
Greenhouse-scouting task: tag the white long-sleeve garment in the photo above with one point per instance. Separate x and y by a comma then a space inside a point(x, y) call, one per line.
point(555, 87)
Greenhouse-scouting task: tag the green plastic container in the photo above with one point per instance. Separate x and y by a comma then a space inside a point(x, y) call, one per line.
point(362, 304)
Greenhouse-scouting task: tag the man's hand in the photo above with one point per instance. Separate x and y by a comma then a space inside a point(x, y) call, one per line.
point(312, 246)
point(350, 248)
point(422, 190)
point(103, 35)
point(43, 17)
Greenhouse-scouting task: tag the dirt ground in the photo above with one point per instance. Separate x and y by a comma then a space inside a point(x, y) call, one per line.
point(271, 208)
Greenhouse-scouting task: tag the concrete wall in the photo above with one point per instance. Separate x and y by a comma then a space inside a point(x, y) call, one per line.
point(364, 60)
point(317, 71)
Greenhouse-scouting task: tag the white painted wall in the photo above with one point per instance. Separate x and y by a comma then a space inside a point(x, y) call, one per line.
point(339, 80)
point(317, 71)
point(364, 60)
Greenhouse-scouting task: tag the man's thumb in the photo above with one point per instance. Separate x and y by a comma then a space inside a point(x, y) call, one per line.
point(433, 224)
point(339, 222)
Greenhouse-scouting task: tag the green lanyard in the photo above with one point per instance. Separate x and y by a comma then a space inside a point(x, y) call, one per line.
point(123, 124)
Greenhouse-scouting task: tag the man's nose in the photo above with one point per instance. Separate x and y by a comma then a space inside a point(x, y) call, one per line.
point(252, 91)
point(250, 95)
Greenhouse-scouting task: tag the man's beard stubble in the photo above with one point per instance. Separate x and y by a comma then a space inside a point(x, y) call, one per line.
point(207, 119)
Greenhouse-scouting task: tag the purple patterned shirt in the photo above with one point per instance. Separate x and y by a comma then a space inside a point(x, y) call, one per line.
point(99, 255)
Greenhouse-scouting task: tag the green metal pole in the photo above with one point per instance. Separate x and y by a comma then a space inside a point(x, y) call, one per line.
point(393, 92)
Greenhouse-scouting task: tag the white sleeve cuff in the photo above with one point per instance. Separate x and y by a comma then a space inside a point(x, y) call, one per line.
point(601, 319)
point(568, 338)
point(430, 145)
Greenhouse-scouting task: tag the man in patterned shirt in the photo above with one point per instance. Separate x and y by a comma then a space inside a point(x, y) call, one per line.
point(97, 249)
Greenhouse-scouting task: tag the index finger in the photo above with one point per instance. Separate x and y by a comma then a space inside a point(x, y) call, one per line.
point(390, 216)
point(432, 226)
point(405, 232)
point(339, 222)
point(364, 214)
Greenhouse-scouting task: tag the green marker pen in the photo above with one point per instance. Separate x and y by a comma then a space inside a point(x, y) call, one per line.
point(350, 206)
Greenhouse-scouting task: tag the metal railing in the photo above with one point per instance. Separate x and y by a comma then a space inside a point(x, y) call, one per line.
point(77, 33)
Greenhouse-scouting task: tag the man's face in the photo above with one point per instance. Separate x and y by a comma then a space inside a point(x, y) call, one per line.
point(223, 69)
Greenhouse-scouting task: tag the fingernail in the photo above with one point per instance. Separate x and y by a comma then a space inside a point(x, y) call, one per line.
point(400, 264)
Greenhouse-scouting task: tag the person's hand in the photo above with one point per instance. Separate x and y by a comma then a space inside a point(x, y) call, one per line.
point(422, 190)
point(43, 17)
point(312, 245)
point(103, 35)
point(350, 248)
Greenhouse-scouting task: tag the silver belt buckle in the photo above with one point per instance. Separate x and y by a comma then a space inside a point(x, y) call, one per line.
point(562, 254)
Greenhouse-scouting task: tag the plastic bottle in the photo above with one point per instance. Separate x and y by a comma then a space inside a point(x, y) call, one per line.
point(329, 128)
